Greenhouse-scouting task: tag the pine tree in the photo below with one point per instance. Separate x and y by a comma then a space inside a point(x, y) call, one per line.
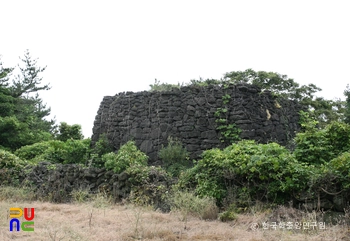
point(22, 111)
point(347, 105)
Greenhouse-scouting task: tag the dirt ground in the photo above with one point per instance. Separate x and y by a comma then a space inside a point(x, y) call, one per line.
point(125, 222)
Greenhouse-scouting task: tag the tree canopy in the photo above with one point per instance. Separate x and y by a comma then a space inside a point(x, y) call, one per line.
point(22, 112)
point(325, 111)
point(67, 132)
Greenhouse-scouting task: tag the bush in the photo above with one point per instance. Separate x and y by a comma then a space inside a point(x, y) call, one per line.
point(55, 153)
point(11, 168)
point(9, 161)
point(339, 168)
point(128, 155)
point(148, 184)
point(76, 151)
point(71, 151)
point(174, 157)
point(256, 171)
point(102, 146)
point(187, 179)
point(31, 151)
point(176, 169)
point(316, 146)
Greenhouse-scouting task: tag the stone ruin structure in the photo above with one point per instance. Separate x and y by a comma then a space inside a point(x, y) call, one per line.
point(190, 114)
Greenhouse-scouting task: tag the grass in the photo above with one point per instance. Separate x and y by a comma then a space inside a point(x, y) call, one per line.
point(88, 221)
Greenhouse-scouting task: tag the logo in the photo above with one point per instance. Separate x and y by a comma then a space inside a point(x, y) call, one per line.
point(28, 215)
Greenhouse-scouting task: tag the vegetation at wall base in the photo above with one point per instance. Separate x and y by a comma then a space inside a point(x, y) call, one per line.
point(264, 172)
point(149, 186)
point(128, 155)
point(319, 146)
point(101, 147)
point(175, 157)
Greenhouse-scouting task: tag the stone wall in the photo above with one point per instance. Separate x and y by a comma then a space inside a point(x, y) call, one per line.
point(188, 114)
point(57, 181)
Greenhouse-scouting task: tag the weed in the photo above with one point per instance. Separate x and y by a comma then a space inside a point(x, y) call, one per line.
point(80, 195)
point(187, 203)
point(101, 200)
point(174, 157)
point(16, 194)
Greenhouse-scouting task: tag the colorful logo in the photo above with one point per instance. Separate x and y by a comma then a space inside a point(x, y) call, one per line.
point(16, 213)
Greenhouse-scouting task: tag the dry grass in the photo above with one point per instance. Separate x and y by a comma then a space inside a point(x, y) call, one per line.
point(123, 222)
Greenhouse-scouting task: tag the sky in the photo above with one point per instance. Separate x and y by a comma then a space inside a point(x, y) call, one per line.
point(100, 48)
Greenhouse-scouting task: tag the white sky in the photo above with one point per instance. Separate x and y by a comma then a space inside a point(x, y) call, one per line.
point(98, 48)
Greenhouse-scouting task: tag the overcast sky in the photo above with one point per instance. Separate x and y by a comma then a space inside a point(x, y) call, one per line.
point(98, 48)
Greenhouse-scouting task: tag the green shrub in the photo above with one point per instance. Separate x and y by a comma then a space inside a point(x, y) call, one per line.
point(339, 168)
point(174, 157)
point(76, 151)
point(52, 151)
point(128, 155)
point(176, 169)
point(29, 152)
point(9, 161)
point(55, 153)
point(187, 179)
point(112, 163)
point(71, 151)
point(149, 185)
point(332, 178)
point(316, 146)
point(102, 146)
point(11, 168)
point(255, 171)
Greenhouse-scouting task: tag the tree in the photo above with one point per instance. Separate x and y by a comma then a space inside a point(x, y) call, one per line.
point(6, 100)
point(22, 112)
point(15, 134)
point(67, 132)
point(28, 81)
point(275, 82)
point(25, 87)
point(347, 104)
point(317, 146)
point(325, 111)
point(4, 74)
